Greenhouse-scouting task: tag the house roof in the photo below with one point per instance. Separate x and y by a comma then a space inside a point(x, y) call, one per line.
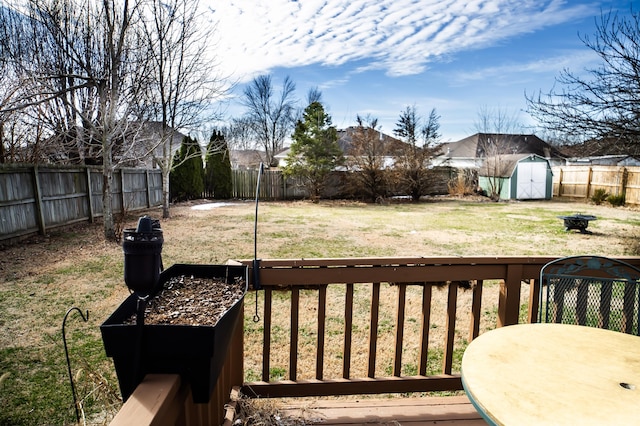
point(345, 139)
point(482, 144)
point(602, 147)
point(247, 158)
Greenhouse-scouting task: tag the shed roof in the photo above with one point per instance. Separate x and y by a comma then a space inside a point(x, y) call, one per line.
point(504, 165)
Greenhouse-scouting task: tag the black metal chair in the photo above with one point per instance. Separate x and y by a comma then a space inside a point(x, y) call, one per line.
point(594, 291)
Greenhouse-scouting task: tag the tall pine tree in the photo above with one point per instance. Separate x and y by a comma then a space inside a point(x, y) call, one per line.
point(314, 149)
point(187, 178)
point(217, 178)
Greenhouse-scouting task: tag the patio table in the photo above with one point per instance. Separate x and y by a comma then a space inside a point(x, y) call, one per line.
point(560, 374)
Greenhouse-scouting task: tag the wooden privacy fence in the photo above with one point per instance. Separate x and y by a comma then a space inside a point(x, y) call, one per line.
point(34, 199)
point(583, 181)
point(273, 185)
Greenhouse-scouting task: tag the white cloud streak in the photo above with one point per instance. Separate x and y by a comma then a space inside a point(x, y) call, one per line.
point(400, 37)
point(576, 61)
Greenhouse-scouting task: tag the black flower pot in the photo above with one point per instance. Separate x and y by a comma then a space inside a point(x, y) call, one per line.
point(196, 352)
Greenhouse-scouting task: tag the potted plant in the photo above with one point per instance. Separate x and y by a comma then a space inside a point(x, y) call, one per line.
point(194, 350)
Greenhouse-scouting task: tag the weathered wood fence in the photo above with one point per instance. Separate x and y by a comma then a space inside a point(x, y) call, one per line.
point(37, 198)
point(583, 181)
point(34, 199)
point(273, 185)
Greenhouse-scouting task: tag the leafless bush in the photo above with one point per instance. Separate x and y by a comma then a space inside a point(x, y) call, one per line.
point(462, 184)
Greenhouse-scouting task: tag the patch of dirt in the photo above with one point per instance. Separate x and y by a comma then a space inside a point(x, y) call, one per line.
point(188, 300)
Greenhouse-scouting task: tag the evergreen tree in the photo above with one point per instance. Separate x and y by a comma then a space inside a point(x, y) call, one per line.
point(217, 178)
point(187, 176)
point(314, 150)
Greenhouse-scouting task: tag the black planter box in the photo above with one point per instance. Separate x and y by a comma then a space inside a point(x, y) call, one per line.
point(197, 353)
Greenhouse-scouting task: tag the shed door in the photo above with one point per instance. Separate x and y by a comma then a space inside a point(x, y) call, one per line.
point(532, 180)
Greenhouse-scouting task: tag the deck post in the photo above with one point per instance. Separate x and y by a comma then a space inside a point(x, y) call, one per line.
point(509, 299)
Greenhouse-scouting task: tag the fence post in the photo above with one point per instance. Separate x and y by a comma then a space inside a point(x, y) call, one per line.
point(148, 183)
point(560, 182)
point(89, 193)
point(124, 207)
point(623, 180)
point(37, 193)
point(589, 176)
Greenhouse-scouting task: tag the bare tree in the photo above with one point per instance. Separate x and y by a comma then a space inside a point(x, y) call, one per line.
point(496, 128)
point(82, 61)
point(314, 95)
point(91, 73)
point(239, 134)
point(601, 103)
point(413, 164)
point(367, 159)
point(270, 115)
point(28, 116)
point(184, 81)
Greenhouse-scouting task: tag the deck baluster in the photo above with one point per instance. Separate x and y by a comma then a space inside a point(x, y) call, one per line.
point(476, 306)
point(400, 313)
point(266, 345)
point(348, 331)
point(425, 326)
point(293, 345)
point(322, 314)
point(373, 331)
point(452, 308)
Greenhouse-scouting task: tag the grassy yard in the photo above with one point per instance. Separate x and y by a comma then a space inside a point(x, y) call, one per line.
point(42, 278)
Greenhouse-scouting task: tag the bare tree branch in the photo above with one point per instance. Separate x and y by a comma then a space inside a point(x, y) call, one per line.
point(270, 116)
point(602, 102)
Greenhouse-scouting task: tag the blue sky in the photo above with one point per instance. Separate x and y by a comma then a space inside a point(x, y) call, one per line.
point(375, 57)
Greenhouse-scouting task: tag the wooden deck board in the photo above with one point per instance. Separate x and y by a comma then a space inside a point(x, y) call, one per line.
point(453, 410)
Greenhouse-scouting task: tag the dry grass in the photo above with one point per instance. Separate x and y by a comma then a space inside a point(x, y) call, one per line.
point(40, 279)
point(264, 412)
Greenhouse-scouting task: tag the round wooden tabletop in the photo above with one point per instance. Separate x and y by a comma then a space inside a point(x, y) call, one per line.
point(554, 374)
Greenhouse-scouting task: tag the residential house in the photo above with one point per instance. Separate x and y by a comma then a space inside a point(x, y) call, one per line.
point(603, 152)
point(144, 145)
point(250, 159)
point(470, 152)
point(246, 159)
point(345, 142)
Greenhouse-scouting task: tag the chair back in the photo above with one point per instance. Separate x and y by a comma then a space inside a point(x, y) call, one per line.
point(594, 291)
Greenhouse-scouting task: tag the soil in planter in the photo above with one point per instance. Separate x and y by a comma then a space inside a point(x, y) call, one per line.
point(188, 300)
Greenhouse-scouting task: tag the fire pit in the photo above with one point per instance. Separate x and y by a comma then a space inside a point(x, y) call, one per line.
point(577, 221)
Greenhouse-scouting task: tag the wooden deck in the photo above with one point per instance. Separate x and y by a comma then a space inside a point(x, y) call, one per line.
point(450, 410)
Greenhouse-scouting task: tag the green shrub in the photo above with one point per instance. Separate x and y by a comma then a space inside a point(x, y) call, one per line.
point(599, 196)
point(186, 181)
point(217, 172)
point(616, 200)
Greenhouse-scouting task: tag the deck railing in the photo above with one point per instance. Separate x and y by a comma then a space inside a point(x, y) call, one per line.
point(429, 282)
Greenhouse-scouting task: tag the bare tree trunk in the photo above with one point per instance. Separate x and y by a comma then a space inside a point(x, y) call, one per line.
point(107, 194)
point(165, 194)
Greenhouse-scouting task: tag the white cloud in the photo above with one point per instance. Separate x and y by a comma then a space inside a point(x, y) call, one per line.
point(575, 61)
point(398, 36)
